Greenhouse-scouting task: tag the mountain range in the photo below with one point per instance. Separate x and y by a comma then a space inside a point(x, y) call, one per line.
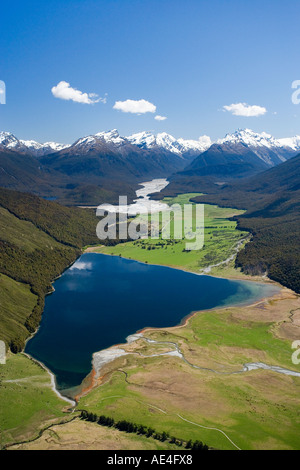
point(143, 140)
point(94, 169)
point(269, 149)
point(272, 151)
point(247, 170)
point(10, 142)
point(99, 167)
point(272, 202)
point(238, 155)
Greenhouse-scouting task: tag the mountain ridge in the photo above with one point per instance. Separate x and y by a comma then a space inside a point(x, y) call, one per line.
point(104, 165)
point(10, 142)
point(282, 148)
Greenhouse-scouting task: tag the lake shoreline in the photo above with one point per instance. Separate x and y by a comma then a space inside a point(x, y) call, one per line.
point(242, 277)
point(184, 321)
point(92, 380)
point(52, 377)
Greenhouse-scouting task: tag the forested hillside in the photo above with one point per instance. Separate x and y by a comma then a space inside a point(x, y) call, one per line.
point(38, 240)
point(272, 200)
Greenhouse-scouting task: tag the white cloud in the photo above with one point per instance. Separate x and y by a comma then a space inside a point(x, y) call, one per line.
point(205, 140)
point(81, 265)
point(135, 106)
point(64, 91)
point(244, 109)
point(160, 118)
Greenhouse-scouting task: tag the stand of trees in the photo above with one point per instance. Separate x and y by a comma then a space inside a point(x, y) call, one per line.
point(127, 426)
point(272, 203)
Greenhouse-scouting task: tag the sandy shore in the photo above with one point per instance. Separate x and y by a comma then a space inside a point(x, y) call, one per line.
point(52, 378)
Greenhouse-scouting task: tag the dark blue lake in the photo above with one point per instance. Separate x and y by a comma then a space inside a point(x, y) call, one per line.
point(102, 299)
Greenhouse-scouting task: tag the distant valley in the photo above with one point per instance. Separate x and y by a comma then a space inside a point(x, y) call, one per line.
point(245, 170)
point(247, 181)
point(98, 168)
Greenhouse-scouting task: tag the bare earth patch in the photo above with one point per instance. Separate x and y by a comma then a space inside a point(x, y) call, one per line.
point(80, 435)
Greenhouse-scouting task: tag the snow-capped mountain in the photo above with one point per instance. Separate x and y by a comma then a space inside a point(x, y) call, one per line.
point(168, 142)
point(115, 164)
point(292, 142)
point(200, 145)
point(112, 136)
point(146, 141)
point(91, 141)
point(9, 141)
point(272, 151)
point(42, 149)
point(251, 138)
point(109, 155)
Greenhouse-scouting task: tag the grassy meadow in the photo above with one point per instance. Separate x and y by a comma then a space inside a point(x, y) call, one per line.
point(214, 402)
point(220, 239)
point(28, 403)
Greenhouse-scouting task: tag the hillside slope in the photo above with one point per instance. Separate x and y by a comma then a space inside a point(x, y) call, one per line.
point(220, 164)
point(38, 240)
point(23, 172)
point(272, 200)
point(95, 169)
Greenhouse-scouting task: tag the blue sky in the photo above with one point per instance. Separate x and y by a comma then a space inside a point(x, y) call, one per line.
point(189, 58)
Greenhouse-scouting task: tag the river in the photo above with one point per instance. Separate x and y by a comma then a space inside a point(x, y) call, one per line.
point(143, 204)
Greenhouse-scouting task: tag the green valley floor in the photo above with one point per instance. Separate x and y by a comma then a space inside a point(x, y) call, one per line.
point(187, 381)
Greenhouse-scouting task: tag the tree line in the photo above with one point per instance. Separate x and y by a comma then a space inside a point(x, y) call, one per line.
point(129, 427)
